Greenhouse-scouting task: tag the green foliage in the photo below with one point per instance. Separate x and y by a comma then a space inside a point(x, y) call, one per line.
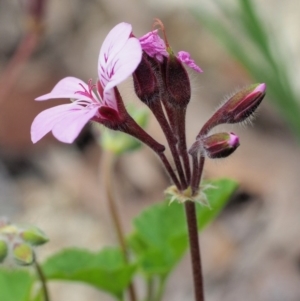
point(160, 238)
point(159, 241)
point(105, 270)
point(247, 39)
point(15, 285)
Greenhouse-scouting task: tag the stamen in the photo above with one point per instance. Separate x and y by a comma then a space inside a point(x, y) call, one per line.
point(84, 89)
point(88, 93)
point(160, 25)
point(91, 87)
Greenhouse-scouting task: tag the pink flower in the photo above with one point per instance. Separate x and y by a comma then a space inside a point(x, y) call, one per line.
point(119, 56)
point(156, 47)
point(185, 57)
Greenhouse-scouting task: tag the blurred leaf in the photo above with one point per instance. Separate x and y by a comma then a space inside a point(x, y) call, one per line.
point(15, 285)
point(38, 296)
point(105, 270)
point(160, 238)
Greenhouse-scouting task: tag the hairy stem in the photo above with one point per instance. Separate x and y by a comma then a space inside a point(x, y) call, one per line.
point(181, 114)
point(157, 110)
point(108, 181)
point(190, 210)
point(197, 172)
point(170, 170)
point(43, 280)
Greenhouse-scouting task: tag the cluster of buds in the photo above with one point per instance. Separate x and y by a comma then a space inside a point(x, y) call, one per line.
point(161, 82)
point(18, 242)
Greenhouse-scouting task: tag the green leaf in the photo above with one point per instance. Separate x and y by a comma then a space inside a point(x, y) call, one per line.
point(15, 285)
point(160, 238)
point(105, 270)
point(160, 222)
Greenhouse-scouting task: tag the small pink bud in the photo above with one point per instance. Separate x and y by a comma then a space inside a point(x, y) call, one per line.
point(244, 103)
point(238, 108)
point(216, 146)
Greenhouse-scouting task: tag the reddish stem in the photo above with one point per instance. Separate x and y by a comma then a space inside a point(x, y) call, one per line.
point(16, 65)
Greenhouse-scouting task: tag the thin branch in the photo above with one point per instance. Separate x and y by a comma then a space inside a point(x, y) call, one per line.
point(43, 280)
point(109, 161)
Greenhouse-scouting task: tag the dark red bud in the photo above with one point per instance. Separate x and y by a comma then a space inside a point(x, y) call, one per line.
point(145, 82)
point(177, 82)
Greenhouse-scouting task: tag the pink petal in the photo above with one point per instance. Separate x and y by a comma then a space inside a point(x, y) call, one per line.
point(59, 116)
point(44, 122)
point(110, 99)
point(68, 128)
point(125, 63)
point(112, 45)
point(185, 57)
point(154, 45)
point(67, 88)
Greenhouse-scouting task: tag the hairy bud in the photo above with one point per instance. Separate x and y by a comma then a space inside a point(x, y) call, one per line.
point(177, 82)
point(216, 146)
point(238, 108)
point(243, 104)
point(145, 82)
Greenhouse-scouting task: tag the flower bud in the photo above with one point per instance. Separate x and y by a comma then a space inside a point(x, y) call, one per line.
point(23, 254)
point(9, 230)
point(216, 146)
point(238, 108)
point(3, 250)
point(34, 236)
point(145, 82)
point(177, 82)
point(244, 103)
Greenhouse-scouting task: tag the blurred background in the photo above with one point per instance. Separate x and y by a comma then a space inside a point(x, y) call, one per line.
point(252, 251)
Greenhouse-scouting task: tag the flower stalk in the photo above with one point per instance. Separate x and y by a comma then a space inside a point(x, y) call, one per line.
point(43, 280)
point(190, 210)
point(109, 161)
